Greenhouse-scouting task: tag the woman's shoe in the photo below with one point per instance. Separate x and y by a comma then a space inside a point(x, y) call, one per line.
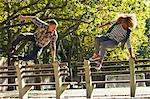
point(95, 57)
point(98, 65)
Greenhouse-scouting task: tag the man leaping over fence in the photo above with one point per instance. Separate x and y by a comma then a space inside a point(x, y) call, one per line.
point(46, 33)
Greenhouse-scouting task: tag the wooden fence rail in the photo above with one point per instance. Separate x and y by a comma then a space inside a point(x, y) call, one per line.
point(85, 70)
point(21, 71)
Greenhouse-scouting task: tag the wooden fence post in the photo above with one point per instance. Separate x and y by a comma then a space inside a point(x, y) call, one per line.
point(89, 87)
point(23, 89)
point(132, 77)
point(60, 88)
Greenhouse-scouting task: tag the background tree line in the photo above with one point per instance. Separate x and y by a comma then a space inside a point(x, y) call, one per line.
point(77, 21)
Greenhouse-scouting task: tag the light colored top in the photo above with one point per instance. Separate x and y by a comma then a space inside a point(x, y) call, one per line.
point(118, 33)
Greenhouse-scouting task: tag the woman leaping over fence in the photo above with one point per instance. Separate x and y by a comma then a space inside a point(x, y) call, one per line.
point(119, 32)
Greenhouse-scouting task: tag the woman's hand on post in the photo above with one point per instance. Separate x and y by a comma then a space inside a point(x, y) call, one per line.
point(56, 61)
point(132, 58)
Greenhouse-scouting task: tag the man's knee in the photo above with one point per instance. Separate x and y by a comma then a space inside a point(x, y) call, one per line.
point(21, 36)
point(28, 57)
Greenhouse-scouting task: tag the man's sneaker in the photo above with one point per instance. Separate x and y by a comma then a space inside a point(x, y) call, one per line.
point(98, 66)
point(14, 58)
point(12, 50)
point(95, 57)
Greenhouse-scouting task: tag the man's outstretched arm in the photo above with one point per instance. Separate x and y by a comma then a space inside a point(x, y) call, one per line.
point(21, 17)
point(34, 19)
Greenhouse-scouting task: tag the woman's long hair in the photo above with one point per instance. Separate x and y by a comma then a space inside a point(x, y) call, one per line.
point(129, 19)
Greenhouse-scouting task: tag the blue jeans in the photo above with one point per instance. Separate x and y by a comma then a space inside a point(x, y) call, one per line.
point(27, 37)
point(102, 43)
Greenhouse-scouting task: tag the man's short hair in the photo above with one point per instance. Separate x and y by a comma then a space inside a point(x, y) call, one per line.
point(53, 21)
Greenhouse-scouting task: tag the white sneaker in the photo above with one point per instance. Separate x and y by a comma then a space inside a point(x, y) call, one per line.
point(98, 66)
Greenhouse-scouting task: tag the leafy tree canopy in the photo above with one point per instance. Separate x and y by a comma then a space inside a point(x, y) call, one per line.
point(77, 20)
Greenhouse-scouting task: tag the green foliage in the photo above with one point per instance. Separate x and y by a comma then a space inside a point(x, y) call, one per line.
point(77, 20)
point(144, 49)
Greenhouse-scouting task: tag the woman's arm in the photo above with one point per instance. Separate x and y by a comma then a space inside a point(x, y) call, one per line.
point(108, 23)
point(130, 52)
point(129, 48)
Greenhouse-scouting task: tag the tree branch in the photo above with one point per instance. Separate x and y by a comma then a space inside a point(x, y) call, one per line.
point(47, 7)
point(15, 11)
